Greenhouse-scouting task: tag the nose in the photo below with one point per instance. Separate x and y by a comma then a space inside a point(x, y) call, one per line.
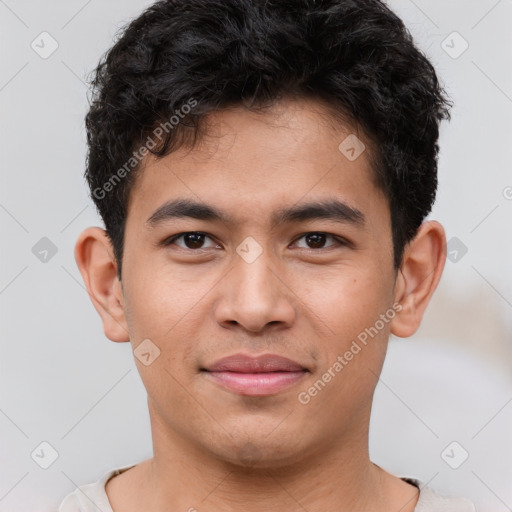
point(254, 296)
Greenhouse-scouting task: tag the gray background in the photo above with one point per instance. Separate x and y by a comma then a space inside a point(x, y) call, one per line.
point(62, 382)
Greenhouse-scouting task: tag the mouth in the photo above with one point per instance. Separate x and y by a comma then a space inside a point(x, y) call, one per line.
point(264, 375)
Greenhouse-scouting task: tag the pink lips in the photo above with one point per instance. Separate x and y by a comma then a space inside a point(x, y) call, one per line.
point(256, 376)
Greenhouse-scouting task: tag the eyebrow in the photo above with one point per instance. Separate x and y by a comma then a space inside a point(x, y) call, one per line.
point(332, 209)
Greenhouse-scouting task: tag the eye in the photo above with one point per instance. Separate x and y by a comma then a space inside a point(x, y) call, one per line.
point(317, 240)
point(192, 240)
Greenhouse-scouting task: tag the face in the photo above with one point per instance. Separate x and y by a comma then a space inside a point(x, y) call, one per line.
point(288, 251)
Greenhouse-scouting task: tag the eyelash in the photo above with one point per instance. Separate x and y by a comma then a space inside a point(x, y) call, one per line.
point(339, 241)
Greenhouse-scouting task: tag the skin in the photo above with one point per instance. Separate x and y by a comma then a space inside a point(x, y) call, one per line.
point(215, 449)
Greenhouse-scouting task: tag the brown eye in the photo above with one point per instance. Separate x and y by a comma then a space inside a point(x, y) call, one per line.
point(317, 240)
point(192, 240)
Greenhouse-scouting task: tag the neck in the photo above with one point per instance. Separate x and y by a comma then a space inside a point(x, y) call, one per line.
point(338, 476)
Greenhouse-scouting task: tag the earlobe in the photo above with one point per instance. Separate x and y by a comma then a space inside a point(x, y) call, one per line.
point(418, 277)
point(96, 262)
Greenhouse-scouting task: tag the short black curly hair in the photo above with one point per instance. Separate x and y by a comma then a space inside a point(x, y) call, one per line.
point(355, 55)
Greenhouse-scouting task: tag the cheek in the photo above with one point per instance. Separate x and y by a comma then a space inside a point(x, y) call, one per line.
point(159, 301)
point(346, 299)
point(349, 302)
point(172, 314)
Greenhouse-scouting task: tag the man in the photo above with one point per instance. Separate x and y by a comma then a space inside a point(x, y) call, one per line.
point(263, 169)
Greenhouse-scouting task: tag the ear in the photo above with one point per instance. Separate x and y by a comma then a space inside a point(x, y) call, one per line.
point(418, 277)
point(95, 259)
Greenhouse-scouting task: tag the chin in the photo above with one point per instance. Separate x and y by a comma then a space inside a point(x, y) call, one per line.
point(259, 452)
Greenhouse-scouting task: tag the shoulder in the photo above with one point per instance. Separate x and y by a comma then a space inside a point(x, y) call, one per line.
point(91, 497)
point(434, 501)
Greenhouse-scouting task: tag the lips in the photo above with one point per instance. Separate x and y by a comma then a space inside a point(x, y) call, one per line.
point(242, 363)
point(267, 374)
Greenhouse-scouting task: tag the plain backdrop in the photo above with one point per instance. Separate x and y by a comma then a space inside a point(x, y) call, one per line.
point(446, 390)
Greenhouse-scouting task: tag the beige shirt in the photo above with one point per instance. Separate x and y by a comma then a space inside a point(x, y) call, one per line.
point(93, 498)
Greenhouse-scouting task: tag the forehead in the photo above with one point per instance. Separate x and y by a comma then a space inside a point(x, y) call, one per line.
point(259, 161)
